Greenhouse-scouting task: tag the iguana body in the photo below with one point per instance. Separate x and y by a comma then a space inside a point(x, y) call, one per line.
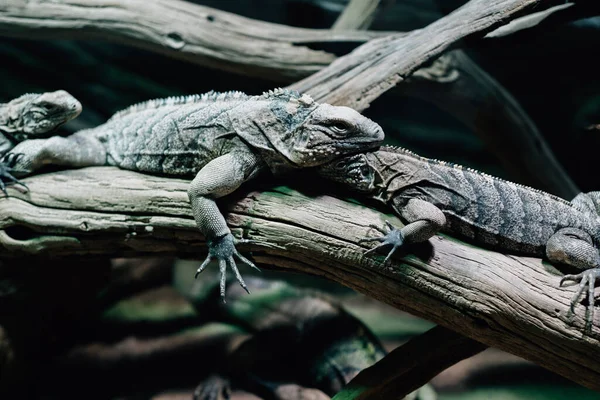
point(32, 116)
point(298, 337)
point(223, 139)
point(431, 195)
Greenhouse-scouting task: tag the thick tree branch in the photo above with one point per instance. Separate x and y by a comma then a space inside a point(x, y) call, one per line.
point(358, 78)
point(504, 301)
point(181, 30)
point(456, 84)
point(411, 365)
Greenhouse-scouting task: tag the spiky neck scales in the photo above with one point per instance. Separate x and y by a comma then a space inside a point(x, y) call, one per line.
point(389, 155)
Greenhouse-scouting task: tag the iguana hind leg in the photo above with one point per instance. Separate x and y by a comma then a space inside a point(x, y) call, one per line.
point(423, 220)
point(574, 247)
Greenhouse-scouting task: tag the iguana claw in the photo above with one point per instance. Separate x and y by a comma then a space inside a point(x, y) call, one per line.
point(6, 167)
point(223, 249)
point(392, 237)
point(586, 278)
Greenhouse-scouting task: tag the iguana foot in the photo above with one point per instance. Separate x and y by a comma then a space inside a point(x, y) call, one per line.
point(6, 168)
point(392, 237)
point(586, 278)
point(223, 249)
point(214, 387)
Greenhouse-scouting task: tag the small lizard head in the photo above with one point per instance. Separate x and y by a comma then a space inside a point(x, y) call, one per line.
point(353, 171)
point(36, 115)
point(332, 132)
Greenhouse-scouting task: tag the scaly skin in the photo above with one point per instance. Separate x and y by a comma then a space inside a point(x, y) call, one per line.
point(298, 338)
point(223, 139)
point(431, 195)
point(32, 116)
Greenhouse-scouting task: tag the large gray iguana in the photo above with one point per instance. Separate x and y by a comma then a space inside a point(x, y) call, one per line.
point(31, 116)
point(224, 139)
point(431, 195)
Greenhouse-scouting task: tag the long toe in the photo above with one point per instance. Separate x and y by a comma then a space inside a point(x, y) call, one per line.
point(379, 229)
point(591, 300)
point(245, 260)
point(580, 290)
point(238, 276)
point(573, 278)
point(203, 265)
point(372, 239)
point(374, 249)
point(223, 269)
point(392, 251)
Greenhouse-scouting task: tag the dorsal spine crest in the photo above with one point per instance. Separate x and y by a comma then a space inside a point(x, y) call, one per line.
point(211, 96)
point(396, 149)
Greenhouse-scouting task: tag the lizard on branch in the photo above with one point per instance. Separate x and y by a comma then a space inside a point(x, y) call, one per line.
point(432, 196)
point(224, 139)
point(32, 116)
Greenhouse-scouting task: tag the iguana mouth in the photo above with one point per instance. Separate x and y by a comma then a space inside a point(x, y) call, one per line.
point(336, 144)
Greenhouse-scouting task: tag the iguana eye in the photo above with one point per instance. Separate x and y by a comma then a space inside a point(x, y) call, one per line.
point(340, 126)
point(47, 106)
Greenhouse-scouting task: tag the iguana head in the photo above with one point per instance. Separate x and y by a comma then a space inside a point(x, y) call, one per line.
point(331, 132)
point(36, 115)
point(354, 171)
point(293, 131)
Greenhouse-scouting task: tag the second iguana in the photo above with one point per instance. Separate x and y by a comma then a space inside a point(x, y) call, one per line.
point(224, 139)
point(32, 116)
point(432, 196)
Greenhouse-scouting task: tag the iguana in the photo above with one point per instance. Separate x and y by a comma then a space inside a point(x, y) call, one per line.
point(431, 195)
point(224, 139)
point(328, 345)
point(31, 116)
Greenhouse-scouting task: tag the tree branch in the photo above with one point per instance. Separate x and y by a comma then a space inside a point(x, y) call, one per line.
point(358, 14)
point(512, 303)
point(358, 78)
point(456, 84)
point(410, 366)
point(181, 30)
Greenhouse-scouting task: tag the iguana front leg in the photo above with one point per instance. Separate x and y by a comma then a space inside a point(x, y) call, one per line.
point(218, 178)
point(74, 151)
point(574, 247)
point(6, 172)
point(423, 220)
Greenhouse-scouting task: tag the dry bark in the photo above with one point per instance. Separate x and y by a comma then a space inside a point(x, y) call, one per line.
point(512, 303)
point(358, 78)
point(181, 30)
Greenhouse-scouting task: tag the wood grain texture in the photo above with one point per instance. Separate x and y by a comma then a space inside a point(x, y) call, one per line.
point(358, 78)
point(512, 303)
point(181, 30)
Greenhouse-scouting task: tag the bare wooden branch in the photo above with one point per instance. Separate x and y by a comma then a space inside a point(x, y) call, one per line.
point(512, 303)
point(456, 84)
point(411, 365)
point(358, 14)
point(358, 78)
point(181, 30)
